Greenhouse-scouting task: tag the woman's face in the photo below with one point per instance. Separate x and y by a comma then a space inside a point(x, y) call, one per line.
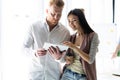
point(74, 22)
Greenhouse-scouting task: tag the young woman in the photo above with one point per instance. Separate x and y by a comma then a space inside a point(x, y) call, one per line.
point(83, 46)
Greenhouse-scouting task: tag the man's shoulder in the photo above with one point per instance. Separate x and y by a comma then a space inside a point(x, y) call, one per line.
point(38, 24)
point(63, 27)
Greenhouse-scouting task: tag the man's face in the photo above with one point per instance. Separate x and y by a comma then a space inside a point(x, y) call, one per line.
point(54, 14)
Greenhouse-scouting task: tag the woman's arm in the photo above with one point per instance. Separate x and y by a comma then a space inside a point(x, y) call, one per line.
point(93, 49)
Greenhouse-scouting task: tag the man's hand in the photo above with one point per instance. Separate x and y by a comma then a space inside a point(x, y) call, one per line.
point(55, 52)
point(40, 52)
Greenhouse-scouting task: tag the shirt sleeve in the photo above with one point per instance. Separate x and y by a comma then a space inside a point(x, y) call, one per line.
point(94, 48)
point(27, 43)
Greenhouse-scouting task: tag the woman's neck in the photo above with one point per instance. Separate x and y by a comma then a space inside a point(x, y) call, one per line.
point(80, 34)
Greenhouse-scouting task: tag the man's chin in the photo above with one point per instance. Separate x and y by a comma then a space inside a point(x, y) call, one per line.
point(54, 23)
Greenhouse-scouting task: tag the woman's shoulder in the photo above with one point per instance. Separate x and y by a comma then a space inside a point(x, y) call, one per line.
point(95, 37)
point(93, 34)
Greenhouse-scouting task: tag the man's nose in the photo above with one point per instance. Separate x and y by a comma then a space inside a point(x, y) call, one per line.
point(56, 17)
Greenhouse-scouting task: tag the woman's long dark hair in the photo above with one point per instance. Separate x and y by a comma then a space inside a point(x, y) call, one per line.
point(82, 20)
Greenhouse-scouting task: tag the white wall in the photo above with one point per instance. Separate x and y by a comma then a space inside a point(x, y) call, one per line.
point(107, 36)
point(117, 16)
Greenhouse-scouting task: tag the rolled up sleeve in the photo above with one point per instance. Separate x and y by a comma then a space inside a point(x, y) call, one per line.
point(93, 48)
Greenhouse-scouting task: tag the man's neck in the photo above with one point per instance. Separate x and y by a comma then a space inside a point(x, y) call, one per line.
point(50, 25)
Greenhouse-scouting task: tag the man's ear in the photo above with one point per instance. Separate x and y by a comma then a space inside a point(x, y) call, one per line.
point(46, 11)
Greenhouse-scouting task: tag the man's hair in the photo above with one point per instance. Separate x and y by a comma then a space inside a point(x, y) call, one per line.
point(58, 3)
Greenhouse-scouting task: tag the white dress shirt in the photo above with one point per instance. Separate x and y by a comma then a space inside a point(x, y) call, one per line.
point(44, 67)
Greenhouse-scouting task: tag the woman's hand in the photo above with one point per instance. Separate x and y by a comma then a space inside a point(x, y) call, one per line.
point(69, 44)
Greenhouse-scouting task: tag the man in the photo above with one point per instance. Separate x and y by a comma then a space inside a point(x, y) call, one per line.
point(43, 66)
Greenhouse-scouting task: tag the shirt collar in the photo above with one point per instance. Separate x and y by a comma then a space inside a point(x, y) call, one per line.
point(47, 26)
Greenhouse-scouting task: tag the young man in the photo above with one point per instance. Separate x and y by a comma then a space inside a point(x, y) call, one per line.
point(43, 66)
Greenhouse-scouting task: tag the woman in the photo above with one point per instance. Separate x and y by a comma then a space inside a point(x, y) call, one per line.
point(83, 46)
